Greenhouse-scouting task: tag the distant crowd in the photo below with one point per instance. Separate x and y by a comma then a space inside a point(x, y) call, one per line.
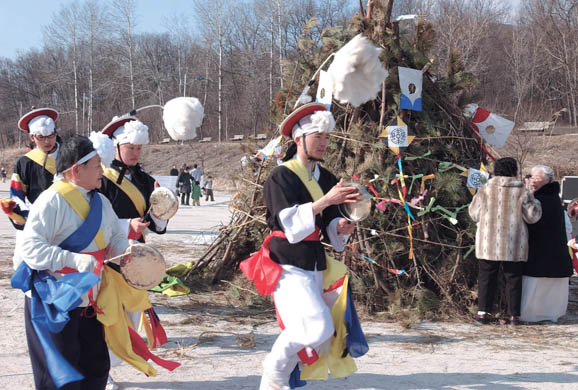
point(192, 184)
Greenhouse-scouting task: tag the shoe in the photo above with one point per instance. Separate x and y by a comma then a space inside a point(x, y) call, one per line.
point(514, 321)
point(482, 318)
point(111, 384)
point(269, 383)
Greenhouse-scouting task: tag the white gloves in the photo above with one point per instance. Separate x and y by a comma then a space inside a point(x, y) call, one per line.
point(84, 262)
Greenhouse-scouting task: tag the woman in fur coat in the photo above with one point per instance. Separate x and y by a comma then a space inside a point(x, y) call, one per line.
point(501, 209)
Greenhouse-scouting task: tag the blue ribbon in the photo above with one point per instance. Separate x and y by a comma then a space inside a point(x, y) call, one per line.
point(51, 301)
point(295, 380)
point(356, 342)
point(83, 236)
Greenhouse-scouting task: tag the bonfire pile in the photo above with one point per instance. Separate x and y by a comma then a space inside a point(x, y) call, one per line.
point(422, 263)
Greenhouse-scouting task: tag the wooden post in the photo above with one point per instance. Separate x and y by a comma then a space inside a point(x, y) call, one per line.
point(369, 9)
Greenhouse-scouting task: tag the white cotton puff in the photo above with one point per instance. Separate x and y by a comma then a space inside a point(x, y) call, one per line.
point(133, 132)
point(318, 122)
point(103, 146)
point(304, 99)
point(41, 125)
point(182, 116)
point(470, 110)
point(357, 72)
point(323, 120)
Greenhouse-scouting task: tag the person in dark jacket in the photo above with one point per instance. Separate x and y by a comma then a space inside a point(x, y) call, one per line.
point(184, 181)
point(174, 171)
point(549, 266)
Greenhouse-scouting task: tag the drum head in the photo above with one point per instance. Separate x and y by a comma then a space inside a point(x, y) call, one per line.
point(164, 203)
point(359, 210)
point(144, 268)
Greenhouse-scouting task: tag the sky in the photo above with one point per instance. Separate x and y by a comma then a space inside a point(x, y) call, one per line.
point(21, 21)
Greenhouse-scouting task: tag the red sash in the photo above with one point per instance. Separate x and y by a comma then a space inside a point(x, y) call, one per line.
point(99, 256)
point(264, 272)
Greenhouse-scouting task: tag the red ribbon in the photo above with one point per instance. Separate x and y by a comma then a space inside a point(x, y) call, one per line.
point(99, 256)
point(159, 334)
point(139, 347)
point(262, 270)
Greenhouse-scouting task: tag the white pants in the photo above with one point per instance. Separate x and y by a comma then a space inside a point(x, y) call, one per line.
point(307, 320)
point(543, 298)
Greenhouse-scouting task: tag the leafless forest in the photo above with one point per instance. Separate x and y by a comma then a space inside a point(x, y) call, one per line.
point(233, 55)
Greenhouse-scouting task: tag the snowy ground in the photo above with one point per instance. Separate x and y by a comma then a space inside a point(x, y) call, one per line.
point(213, 342)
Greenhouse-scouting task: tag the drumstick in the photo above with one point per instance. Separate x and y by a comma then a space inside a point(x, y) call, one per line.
point(119, 256)
point(147, 213)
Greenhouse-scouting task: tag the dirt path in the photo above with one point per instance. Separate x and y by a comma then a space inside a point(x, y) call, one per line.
point(221, 346)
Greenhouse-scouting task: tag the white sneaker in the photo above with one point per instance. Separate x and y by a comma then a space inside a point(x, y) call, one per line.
point(269, 383)
point(111, 384)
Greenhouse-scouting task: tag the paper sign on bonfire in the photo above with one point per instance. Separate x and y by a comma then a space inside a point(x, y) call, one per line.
point(476, 178)
point(493, 128)
point(410, 82)
point(397, 136)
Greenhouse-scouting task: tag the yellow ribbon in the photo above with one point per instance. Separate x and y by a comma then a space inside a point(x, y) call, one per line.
point(42, 159)
point(129, 189)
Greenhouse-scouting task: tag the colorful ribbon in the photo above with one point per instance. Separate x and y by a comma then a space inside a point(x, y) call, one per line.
point(361, 255)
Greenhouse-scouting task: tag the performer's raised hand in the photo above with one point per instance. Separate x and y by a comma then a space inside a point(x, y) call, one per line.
point(344, 226)
point(341, 194)
point(337, 195)
point(138, 226)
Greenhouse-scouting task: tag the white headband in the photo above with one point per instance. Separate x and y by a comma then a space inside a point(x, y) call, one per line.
point(41, 125)
point(103, 147)
point(84, 159)
point(318, 122)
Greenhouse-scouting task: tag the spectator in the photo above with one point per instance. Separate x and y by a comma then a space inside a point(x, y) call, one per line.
point(208, 186)
point(196, 193)
point(527, 183)
point(501, 209)
point(196, 173)
point(549, 266)
point(184, 181)
point(3, 174)
point(174, 171)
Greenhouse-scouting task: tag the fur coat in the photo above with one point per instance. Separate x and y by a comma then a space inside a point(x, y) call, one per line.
point(501, 209)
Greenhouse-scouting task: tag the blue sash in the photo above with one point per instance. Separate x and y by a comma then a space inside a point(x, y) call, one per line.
point(50, 303)
point(83, 236)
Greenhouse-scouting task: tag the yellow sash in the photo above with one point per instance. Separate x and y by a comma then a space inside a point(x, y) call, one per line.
point(116, 296)
point(300, 170)
point(79, 204)
point(39, 157)
point(129, 189)
point(339, 366)
point(336, 364)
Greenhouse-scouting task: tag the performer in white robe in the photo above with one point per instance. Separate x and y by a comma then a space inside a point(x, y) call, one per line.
point(56, 240)
point(296, 222)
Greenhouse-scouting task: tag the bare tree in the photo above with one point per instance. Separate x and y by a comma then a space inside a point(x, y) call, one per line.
point(125, 11)
point(94, 31)
point(214, 17)
point(66, 33)
point(558, 20)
